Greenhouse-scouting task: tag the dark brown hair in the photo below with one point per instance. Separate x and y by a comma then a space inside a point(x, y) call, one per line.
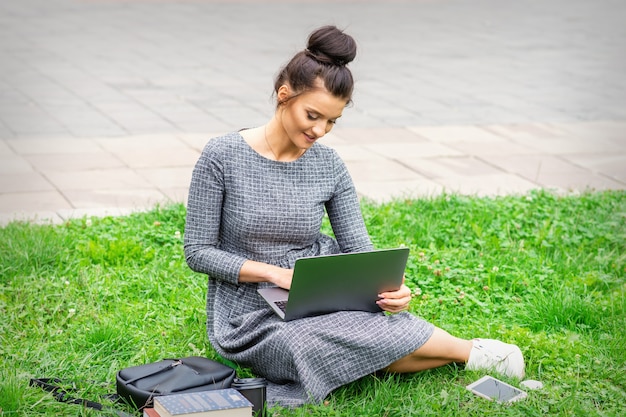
point(328, 52)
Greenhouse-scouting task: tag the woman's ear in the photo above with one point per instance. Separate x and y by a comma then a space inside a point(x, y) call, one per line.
point(283, 94)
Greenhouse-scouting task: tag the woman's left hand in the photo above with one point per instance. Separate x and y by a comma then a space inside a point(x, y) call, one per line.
point(395, 301)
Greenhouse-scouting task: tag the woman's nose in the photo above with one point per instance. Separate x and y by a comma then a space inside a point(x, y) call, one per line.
point(319, 129)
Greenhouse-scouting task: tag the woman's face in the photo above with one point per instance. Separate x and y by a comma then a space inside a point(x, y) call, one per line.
point(309, 116)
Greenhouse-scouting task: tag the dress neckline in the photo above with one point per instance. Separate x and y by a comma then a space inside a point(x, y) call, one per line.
point(247, 145)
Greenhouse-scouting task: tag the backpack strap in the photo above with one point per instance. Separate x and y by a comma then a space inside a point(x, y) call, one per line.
point(53, 386)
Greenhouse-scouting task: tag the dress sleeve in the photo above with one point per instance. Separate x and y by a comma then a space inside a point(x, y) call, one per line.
point(344, 212)
point(204, 212)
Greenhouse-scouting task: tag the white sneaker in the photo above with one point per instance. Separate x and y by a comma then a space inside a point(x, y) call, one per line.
point(489, 354)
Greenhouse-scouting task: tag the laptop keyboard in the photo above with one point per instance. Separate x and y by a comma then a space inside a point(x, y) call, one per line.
point(282, 304)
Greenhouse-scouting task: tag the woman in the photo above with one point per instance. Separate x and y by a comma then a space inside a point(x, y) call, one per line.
point(256, 203)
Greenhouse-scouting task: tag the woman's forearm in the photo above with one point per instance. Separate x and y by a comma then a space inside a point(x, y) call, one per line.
point(252, 271)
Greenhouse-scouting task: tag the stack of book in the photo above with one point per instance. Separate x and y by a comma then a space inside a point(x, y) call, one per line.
point(218, 403)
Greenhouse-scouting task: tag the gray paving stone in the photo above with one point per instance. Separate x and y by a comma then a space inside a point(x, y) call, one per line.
point(4, 149)
point(136, 198)
point(19, 181)
point(491, 80)
point(73, 161)
point(13, 164)
point(610, 165)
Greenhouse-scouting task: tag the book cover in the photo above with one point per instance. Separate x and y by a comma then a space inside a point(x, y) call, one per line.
point(224, 402)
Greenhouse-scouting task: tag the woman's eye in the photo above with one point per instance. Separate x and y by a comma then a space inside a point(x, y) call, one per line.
point(311, 116)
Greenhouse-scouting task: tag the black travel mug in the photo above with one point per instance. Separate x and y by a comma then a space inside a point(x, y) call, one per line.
point(254, 390)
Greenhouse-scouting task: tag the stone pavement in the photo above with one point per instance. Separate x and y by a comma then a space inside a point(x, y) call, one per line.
point(106, 104)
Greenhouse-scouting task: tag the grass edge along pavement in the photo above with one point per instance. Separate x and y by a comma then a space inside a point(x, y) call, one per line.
point(81, 300)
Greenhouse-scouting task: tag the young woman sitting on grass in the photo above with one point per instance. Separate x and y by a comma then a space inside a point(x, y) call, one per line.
point(256, 203)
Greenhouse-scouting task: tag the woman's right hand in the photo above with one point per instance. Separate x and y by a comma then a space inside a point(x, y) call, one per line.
point(282, 277)
point(252, 271)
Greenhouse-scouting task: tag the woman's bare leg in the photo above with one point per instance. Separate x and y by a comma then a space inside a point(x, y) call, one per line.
point(442, 348)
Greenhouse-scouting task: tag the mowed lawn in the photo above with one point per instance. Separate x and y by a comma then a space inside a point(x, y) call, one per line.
point(81, 300)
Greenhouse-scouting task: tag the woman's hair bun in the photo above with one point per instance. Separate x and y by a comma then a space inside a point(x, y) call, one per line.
point(325, 58)
point(329, 45)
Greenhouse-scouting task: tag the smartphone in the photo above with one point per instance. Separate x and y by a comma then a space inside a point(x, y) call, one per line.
point(493, 389)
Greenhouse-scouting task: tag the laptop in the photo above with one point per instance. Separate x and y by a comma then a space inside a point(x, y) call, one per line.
point(330, 283)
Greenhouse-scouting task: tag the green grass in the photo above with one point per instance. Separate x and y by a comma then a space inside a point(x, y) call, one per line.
point(81, 300)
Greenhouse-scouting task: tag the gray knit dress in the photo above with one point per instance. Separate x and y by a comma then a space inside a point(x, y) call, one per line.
point(243, 206)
